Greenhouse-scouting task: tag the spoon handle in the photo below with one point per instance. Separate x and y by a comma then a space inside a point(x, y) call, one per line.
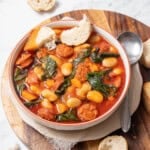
point(125, 114)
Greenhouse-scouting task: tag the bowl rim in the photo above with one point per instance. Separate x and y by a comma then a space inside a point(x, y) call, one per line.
point(17, 100)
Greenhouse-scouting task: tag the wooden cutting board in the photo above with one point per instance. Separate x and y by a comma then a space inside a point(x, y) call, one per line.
point(138, 137)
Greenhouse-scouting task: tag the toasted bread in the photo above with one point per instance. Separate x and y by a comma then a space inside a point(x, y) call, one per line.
point(113, 143)
point(146, 96)
point(41, 5)
point(39, 37)
point(79, 34)
point(45, 35)
point(145, 59)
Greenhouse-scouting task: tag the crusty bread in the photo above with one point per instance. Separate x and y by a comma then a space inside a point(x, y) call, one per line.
point(41, 5)
point(146, 96)
point(79, 34)
point(113, 143)
point(145, 59)
point(40, 36)
point(44, 35)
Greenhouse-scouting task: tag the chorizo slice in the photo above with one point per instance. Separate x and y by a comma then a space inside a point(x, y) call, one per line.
point(65, 51)
point(45, 113)
point(87, 112)
point(81, 72)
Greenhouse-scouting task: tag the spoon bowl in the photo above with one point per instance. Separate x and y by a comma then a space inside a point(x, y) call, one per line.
point(132, 43)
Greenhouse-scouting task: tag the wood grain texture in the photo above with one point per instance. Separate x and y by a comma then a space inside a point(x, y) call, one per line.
point(139, 135)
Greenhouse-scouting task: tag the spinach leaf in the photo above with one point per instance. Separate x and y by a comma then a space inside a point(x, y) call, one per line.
point(63, 86)
point(109, 54)
point(19, 74)
point(28, 104)
point(97, 56)
point(19, 78)
point(20, 86)
point(67, 82)
point(96, 81)
point(50, 67)
point(86, 53)
point(70, 115)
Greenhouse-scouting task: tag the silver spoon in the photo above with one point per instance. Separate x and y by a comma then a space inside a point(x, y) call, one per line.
point(134, 48)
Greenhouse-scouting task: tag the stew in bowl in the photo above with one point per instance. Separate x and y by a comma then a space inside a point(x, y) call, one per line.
point(70, 84)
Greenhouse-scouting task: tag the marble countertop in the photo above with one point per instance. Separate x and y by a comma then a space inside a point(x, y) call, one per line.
point(17, 18)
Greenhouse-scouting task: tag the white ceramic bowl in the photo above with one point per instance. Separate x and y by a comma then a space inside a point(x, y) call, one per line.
point(62, 126)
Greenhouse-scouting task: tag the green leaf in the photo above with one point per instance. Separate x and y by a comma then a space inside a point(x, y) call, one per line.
point(97, 56)
point(20, 86)
point(19, 74)
point(70, 115)
point(29, 104)
point(63, 87)
point(108, 54)
point(96, 81)
point(19, 78)
point(50, 67)
point(86, 53)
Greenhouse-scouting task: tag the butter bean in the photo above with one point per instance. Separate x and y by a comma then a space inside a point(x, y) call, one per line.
point(47, 104)
point(50, 95)
point(38, 71)
point(61, 108)
point(95, 96)
point(73, 102)
point(109, 62)
point(66, 69)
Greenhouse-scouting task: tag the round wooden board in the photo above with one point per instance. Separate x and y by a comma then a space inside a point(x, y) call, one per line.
point(138, 137)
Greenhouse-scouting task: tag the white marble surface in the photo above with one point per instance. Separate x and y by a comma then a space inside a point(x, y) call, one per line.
point(17, 18)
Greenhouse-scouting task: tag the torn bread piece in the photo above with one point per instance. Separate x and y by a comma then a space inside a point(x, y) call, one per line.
point(46, 36)
point(145, 59)
point(79, 34)
point(113, 143)
point(146, 96)
point(39, 37)
point(41, 5)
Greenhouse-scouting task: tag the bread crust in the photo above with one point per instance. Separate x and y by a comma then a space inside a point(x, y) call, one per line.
point(41, 5)
point(114, 142)
point(146, 96)
point(77, 35)
point(145, 59)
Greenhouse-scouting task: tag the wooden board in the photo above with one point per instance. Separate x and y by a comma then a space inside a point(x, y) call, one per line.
point(138, 137)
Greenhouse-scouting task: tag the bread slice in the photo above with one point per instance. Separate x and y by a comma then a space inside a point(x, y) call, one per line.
point(113, 143)
point(45, 35)
point(146, 96)
point(40, 36)
point(41, 5)
point(145, 59)
point(79, 34)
